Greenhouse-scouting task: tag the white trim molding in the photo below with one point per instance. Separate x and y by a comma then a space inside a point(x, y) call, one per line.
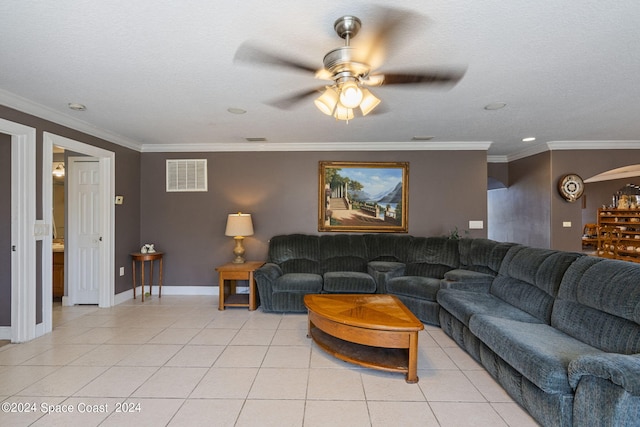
point(175, 290)
point(26, 106)
point(5, 332)
point(23, 219)
point(107, 172)
point(318, 146)
point(594, 145)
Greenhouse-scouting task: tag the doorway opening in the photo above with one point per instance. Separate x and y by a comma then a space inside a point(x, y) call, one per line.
point(103, 256)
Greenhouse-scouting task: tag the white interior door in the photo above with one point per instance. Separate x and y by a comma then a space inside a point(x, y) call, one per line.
point(85, 224)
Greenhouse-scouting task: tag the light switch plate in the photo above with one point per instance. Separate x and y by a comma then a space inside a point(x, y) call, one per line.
point(566, 224)
point(119, 200)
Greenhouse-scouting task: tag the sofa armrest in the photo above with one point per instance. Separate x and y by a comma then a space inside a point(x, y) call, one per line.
point(620, 369)
point(467, 280)
point(267, 273)
point(383, 271)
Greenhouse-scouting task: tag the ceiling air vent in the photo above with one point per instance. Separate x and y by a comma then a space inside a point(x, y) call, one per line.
point(186, 175)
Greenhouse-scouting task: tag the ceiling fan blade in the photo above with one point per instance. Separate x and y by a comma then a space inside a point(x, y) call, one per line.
point(292, 100)
point(391, 29)
point(450, 77)
point(253, 54)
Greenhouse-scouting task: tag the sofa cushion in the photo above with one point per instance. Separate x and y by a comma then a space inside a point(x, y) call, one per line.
point(348, 282)
point(387, 247)
point(418, 287)
point(383, 271)
point(599, 303)
point(538, 351)
point(298, 282)
point(439, 251)
point(464, 304)
point(468, 276)
point(295, 253)
point(343, 253)
point(482, 255)
point(529, 278)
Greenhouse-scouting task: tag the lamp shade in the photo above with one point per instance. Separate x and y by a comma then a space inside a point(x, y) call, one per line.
point(343, 113)
point(369, 102)
point(327, 101)
point(239, 224)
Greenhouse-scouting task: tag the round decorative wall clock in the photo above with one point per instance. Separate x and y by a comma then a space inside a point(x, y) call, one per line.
point(571, 187)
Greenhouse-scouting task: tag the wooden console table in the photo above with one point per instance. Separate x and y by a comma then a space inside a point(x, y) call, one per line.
point(233, 272)
point(140, 257)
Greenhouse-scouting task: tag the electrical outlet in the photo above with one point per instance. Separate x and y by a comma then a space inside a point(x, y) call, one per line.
point(122, 271)
point(566, 224)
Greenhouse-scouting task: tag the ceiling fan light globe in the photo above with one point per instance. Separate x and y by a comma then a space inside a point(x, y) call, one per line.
point(369, 102)
point(327, 101)
point(350, 95)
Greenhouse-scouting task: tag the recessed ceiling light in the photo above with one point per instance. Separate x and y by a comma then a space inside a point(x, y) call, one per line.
point(234, 110)
point(256, 139)
point(495, 106)
point(77, 107)
point(422, 138)
point(528, 139)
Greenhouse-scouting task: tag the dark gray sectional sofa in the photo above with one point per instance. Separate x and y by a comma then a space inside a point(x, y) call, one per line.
point(559, 330)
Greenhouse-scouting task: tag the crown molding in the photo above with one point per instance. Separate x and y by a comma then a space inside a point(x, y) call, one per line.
point(594, 145)
point(317, 146)
point(24, 105)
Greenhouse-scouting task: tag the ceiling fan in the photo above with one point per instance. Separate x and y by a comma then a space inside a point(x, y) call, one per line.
point(350, 69)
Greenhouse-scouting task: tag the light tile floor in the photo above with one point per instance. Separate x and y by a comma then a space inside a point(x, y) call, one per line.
point(178, 361)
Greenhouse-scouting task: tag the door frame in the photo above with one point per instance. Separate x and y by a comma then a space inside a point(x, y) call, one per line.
point(107, 178)
point(23, 230)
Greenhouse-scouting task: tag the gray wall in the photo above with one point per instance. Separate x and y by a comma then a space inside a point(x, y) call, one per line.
point(127, 182)
point(280, 190)
point(585, 163)
point(520, 212)
point(5, 230)
point(532, 212)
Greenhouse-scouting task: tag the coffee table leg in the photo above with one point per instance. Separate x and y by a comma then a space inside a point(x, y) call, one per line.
point(412, 372)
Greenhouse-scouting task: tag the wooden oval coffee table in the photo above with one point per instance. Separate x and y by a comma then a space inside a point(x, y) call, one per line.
point(372, 330)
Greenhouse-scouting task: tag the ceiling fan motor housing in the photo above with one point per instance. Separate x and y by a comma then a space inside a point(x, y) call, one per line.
point(341, 60)
point(347, 27)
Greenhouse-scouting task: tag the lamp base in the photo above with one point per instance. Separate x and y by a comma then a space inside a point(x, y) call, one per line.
point(238, 250)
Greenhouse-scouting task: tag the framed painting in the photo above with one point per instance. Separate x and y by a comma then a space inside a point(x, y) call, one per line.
point(363, 197)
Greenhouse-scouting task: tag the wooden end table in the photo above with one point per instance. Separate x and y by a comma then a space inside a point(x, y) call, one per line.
point(233, 272)
point(138, 256)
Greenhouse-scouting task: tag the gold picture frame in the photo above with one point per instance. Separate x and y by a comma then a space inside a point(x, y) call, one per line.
point(363, 197)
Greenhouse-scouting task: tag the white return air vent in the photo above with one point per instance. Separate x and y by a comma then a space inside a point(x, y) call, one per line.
point(186, 175)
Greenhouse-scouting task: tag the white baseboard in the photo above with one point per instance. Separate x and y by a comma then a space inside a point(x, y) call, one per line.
point(5, 332)
point(176, 290)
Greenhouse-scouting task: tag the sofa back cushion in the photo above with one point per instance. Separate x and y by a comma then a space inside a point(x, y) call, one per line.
point(599, 304)
point(482, 255)
point(295, 253)
point(387, 247)
point(432, 256)
point(529, 278)
point(343, 252)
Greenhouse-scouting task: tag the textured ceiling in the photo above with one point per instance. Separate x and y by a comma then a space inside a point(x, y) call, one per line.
point(160, 75)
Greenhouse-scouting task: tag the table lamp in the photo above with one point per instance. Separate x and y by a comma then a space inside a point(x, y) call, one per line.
point(239, 225)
